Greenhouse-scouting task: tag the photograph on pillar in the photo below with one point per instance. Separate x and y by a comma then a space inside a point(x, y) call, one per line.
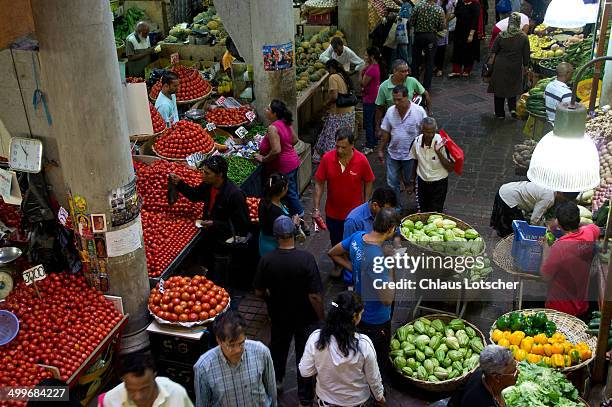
point(125, 204)
point(278, 57)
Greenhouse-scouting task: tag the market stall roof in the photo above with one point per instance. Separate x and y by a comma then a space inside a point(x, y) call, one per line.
point(15, 21)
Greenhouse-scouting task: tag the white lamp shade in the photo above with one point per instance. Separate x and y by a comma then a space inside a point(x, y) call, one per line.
point(590, 13)
point(566, 14)
point(565, 164)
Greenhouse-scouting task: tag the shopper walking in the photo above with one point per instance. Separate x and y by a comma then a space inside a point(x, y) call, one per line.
point(449, 11)
point(348, 177)
point(337, 117)
point(270, 208)
point(370, 82)
point(466, 43)
point(509, 59)
point(358, 254)
point(427, 19)
point(237, 372)
point(140, 386)
point(276, 151)
point(288, 279)
point(434, 163)
point(400, 127)
point(343, 360)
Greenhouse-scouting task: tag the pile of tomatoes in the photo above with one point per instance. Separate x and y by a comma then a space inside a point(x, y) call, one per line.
point(158, 122)
point(10, 215)
point(191, 84)
point(183, 139)
point(60, 329)
point(134, 79)
point(253, 205)
point(221, 116)
point(166, 229)
point(186, 299)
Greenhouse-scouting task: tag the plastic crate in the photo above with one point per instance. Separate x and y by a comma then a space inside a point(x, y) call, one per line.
point(526, 248)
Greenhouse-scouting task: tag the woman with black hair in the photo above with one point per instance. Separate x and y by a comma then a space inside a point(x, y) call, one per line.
point(279, 156)
point(343, 360)
point(370, 82)
point(338, 117)
point(271, 208)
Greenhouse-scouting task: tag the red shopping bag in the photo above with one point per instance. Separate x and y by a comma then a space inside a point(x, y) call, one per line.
point(455, 152)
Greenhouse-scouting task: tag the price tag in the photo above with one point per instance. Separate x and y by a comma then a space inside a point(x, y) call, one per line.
point(241, 132)
point(194, 159)
point(161, 285)
point(174, 58)
point(210, 126)
point(250, 115)
point(220, 101)
point(62, 215)
point(34, 274)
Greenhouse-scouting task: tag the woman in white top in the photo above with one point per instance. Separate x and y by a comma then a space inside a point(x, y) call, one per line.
point(343, 360)
point(434, 163)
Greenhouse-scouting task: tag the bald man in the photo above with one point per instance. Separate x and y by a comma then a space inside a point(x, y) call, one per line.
point(138, 50)
point(557, 91)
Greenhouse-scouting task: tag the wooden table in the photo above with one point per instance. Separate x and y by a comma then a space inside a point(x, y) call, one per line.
point(502, 256)
point(311, 100)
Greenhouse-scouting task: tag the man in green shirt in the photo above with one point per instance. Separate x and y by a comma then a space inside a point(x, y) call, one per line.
point(400, 76)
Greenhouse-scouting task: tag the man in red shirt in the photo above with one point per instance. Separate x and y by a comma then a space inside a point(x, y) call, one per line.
point(349, 179)
point(567, 263)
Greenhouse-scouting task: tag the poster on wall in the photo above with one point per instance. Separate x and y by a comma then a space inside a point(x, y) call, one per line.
point(124, 204)
point(278, 57)
point(123, 241)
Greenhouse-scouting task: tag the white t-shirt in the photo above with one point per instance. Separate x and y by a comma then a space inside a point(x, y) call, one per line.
point(167, 108)
point(556, 92)
point(403, 130)
point(528, 197)
point(133, 44)
point(170, 395)
point(347, 58)
point(429, 167)
point(343, 380)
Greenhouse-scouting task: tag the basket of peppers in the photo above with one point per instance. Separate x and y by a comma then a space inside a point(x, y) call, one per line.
point(545, 336)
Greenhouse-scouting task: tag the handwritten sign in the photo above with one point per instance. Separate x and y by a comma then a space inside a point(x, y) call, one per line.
point(62, 216)
point(210, 126)
point(194, 159)
point(250, 115)
point(6, 179)
point(174, 58)
point(34, 274)
point(220, 101)
point(161, 285)
point(241, 132)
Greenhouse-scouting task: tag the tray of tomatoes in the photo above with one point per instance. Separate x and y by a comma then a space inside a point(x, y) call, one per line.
point(228, 117)
point(183, 139)
point(192, 87)
point(187, 301)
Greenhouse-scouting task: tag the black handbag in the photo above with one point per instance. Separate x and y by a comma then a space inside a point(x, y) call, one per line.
point(346, 99)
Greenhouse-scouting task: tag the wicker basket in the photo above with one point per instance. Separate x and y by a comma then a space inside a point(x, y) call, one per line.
point(446, 385)
point(570, 326)
point(147, 137)
point(423, 218)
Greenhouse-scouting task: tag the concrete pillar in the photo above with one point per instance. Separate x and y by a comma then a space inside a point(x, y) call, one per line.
point(80, 71)
point(353, 21)
point(606, 86)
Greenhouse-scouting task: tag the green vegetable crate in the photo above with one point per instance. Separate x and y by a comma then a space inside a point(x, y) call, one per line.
point(430, 329)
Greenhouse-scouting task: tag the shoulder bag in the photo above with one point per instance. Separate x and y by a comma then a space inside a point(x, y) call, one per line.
point(346, 99)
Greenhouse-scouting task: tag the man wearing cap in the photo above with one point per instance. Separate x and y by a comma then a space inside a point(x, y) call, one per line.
point(288, 278)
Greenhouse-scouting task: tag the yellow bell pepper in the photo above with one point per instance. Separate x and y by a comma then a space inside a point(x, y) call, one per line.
point(568, 360)
point(575, 356)
point(585, 353)
point(507, 335)
point(546, 361)
point(548, 349)
point(557, 360)
point(567, 347)
point(513, 349)
point(527, 344)
point(517, 337)
point(520, 355)
point(537, 349)
point(540, 339)
point(558, 337)
point(504, 342)
point(557, 348)
point(497, 335)
point(533, 358)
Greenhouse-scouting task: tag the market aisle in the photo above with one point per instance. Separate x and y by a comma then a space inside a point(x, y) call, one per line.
point(464, 109)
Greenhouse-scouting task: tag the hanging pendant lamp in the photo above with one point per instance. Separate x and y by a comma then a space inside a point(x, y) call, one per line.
point(566, 14)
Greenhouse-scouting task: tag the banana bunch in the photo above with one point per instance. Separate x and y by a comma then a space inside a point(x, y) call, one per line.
point(537, 43)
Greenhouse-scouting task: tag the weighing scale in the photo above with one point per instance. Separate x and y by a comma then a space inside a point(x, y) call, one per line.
point(7, 256)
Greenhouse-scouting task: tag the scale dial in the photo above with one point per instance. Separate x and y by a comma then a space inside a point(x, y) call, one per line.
point(6, 284)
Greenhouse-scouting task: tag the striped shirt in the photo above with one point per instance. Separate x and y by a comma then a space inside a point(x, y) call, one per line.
point(556, 92)
point(250, 383)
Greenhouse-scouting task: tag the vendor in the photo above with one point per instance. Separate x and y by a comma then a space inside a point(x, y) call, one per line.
point(516, 198)
point(557, 91)
point(225, 210)
point(138, 50)
point(166, 101)
point(231, 54)
point(566, 264)
point(496, 372)
point(343, 54)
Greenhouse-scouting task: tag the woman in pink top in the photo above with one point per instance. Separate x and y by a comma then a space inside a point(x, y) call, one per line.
point(370, 81)
point(277, 152)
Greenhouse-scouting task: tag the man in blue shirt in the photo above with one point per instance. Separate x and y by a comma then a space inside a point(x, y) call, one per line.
point(362, 253)
point(166, 100)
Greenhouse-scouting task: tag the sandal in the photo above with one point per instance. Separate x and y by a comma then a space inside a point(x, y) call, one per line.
point(304, 227)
